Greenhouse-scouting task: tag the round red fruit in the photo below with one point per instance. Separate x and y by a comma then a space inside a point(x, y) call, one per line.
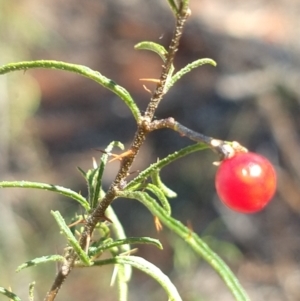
point(246, 182)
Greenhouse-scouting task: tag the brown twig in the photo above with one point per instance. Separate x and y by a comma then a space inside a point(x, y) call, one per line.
point(143, 125)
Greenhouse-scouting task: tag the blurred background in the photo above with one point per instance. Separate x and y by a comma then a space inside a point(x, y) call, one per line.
point(52, 121)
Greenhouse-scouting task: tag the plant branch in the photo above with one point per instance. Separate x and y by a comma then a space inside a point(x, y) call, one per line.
point(225, 149)
point(142, 130)
point(143, 124)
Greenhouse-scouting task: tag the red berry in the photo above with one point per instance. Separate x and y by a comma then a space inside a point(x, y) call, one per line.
point(246, 182)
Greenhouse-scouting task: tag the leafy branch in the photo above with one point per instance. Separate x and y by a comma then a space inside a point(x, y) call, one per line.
point(99, 212)
point(83, 251)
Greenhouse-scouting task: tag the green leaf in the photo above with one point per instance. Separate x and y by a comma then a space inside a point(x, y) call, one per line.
point(141, 178)
point(174, 6)
point(83, 173)
point(95, 181)
point(93, 176)
point(70, 237)
point(54, 188)
point(119, 233)
point(117, 228)
point(31, 291)
point(121, 270)
point(160, 195)
point(36, 261)
point(123, 242)
point(159, 49)
point(79, 69)
point(149, 269)
point(158, 182)
point(189, 68)
point(9, 294)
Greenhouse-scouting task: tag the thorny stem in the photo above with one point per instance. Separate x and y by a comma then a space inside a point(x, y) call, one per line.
point(159, 92)
point(99, 213)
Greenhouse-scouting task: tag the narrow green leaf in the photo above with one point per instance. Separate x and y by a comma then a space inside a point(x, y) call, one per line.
point(149, 269)
point(91, 174)
point(31, 291)
point(95, 184)
point(160, 195)
point(83, 173)
point(79, 69)
point(136, 182)
point(194, 241)
point(159, 49)
point(173, 6)
point(122, 280)
point(189, 68)
point(36, 261)
point(9, 294)
point(70, 237)
point(169, 193)
point(117, 228)
point(54, 188)
point(121, 242)
point(119, 233)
